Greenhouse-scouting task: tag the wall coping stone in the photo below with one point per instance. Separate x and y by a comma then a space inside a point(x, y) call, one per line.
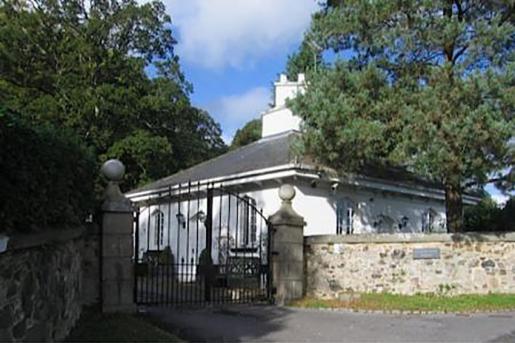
point(469, 237)
point(19, 241)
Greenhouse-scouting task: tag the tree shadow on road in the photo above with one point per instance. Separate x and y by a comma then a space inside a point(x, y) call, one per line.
point(228, 323)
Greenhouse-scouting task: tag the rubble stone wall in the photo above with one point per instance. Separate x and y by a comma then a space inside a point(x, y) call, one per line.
point(41, 286)
point(473, 263)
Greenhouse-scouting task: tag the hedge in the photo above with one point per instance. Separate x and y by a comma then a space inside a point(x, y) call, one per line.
point(46, 177)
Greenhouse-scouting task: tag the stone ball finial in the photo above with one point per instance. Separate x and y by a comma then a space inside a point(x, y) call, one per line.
point(113, 170)
point(287, 192)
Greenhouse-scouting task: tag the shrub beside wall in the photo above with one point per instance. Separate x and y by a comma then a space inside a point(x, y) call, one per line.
point(46, 177)
point(487, 214)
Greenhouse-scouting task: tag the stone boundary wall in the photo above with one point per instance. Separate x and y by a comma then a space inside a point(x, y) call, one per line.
point(41, 292)
point(469, 263)
point(90, 255)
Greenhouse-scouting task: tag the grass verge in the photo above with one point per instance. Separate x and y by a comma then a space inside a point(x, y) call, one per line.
point(94, 326)
point(415, 303)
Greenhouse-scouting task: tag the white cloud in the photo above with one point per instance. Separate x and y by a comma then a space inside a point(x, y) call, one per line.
point(496, 195)
point(238, 109)
point(218, 33)
point(500, 199)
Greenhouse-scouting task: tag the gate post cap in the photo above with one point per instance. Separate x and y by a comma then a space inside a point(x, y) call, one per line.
point(113, 170)
point(286, 215)
point(286, 192)
point(114, 200)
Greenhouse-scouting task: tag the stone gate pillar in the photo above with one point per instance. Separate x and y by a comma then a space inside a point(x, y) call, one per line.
point(117, 269)
point(287, 249)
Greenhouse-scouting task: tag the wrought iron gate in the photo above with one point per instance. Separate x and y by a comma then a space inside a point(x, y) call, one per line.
point(198, 244)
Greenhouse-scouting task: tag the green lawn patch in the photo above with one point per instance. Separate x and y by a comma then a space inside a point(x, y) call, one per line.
point(97, 327)
point(416, 303)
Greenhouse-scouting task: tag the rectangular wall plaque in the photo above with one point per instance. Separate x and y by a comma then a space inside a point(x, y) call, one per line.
point(426, 253)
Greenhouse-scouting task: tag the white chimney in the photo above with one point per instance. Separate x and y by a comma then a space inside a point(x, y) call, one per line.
point(280, 118)
point(285, 89)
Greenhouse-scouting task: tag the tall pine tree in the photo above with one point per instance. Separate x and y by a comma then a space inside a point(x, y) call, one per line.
point(425, 84)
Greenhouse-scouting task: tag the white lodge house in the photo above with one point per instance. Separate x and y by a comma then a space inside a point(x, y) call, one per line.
point(370, 202)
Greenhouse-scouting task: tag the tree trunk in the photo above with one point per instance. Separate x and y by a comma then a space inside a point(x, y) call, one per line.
point(454, 207)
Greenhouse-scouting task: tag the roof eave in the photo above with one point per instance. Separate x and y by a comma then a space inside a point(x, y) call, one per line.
point(312, 172)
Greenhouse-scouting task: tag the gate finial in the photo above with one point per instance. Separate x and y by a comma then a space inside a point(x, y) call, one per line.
point(287, 193)
point(286, 213)
point(114, 200)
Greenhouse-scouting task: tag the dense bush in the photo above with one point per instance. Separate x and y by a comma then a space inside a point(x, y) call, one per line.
point(46, 177)
point(487, 216)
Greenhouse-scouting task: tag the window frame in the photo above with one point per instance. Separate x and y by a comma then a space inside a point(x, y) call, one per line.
point(429, 217)
point(247, 225)
point(345, 211)
point(158, 217)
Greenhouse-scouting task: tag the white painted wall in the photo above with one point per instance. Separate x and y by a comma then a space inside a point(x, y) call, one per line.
point(188, 241)
point(316, 205)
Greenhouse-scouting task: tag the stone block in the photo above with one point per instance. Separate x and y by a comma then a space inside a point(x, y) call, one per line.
point(6, 317)
point(289, 252)
point(19, 329)
point(115, 268)
point(285, 233)
point(343, 296)
point(289, 271)
point(117, 294)
point(117, 223)
point(90, 290)
point(289, 290)
point(5, 336)
point(40, 332)
point(117, 246)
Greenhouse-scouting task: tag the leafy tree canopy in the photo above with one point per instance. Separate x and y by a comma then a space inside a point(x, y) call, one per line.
point(488, 216)
point(249, 133)
point(86, 65)
point(427, 85)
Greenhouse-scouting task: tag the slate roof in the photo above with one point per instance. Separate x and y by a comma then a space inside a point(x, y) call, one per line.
point(270, 152)
point(266, 153)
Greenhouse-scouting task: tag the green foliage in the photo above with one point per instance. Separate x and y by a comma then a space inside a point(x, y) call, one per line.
point(86, 65)
point(425, 85)
point(482, 217)
point(46, 177)
point(249, 133)
point(507, 217)
point(306, 59)
point(487, 216)
point(143, 155)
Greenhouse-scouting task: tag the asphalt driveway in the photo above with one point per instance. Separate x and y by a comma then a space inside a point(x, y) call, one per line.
point(244, 323)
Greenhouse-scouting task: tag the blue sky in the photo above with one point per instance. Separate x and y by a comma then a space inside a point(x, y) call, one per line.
point(233, 50)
